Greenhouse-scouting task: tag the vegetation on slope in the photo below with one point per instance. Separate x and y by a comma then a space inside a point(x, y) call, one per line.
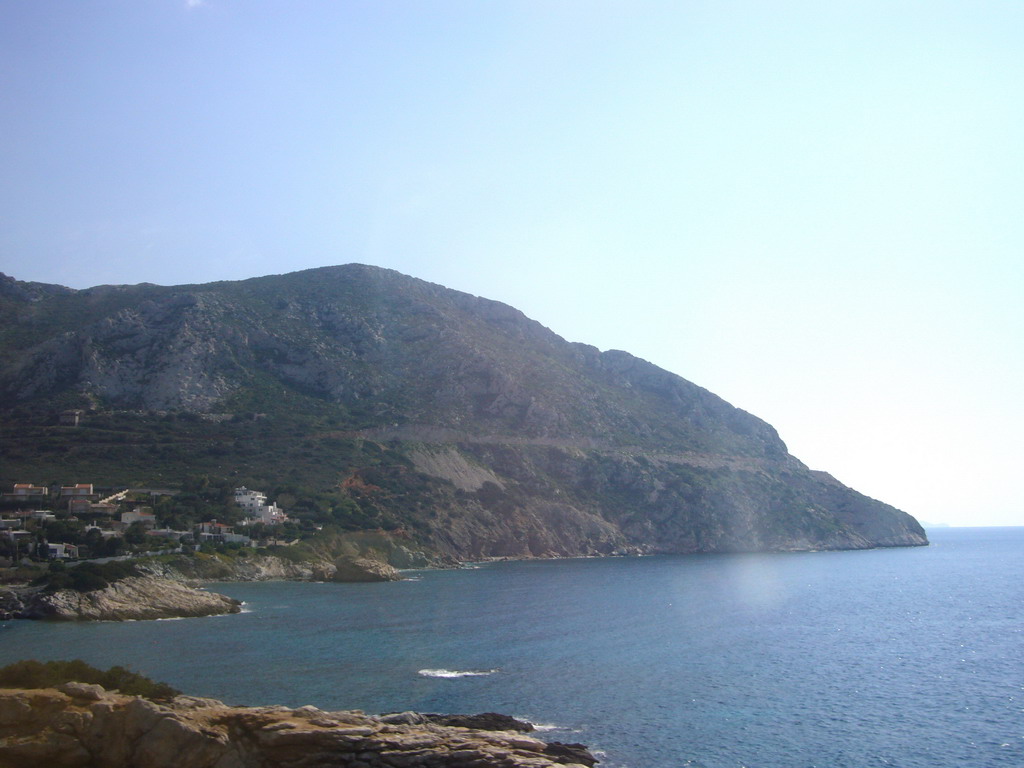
point(86, 577)
point(49, 674)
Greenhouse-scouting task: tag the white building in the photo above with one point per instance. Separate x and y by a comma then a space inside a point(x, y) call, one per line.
point(250, 501)
point(62, 551)
point(256, 509)
point(269, 514)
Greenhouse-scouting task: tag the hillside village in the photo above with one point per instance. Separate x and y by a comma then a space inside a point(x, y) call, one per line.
point(81, 522)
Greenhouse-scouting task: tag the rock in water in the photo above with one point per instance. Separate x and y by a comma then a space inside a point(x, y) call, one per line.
point(134, 597)
point(353, 568)
point(488, 721)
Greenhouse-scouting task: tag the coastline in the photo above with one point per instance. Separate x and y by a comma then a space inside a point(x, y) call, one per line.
point(172, 587)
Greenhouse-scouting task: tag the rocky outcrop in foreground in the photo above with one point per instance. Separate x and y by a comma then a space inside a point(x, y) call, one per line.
point(132, 598)
point(84, 726)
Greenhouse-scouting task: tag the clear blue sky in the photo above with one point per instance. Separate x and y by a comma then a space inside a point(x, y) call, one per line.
point(811, 208)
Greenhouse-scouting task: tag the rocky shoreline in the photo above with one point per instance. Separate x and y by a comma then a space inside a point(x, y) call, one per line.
point(166, 590)
point(345, 568)
point(84, 726)
point(172, 589)
point(135, 598)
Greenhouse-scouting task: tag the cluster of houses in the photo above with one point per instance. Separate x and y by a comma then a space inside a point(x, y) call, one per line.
point(109, 516)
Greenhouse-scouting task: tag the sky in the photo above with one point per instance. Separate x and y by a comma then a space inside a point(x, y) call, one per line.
point(812, 209)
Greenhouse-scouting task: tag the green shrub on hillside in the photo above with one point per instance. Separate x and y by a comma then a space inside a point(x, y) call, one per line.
point(87, 577)
point(36, 674)
point(291, 554)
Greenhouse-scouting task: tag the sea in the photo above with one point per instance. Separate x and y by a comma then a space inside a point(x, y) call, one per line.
point(890, 657)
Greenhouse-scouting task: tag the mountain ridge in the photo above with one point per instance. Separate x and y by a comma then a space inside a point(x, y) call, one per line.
point(540, 446)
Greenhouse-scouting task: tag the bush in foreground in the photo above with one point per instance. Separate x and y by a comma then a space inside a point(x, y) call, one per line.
point(48, 674)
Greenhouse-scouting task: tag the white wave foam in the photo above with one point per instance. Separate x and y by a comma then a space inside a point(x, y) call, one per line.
point(547, 727)
point(542, 726)
point(452, 673)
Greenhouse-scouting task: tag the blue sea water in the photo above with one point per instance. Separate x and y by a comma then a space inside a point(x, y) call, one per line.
point(894, 657)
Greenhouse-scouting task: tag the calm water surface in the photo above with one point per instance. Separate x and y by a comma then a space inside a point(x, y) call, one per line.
point(899, 657)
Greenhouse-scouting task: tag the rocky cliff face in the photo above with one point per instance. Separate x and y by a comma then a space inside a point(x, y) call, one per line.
point(83, 726)
point(456, 419)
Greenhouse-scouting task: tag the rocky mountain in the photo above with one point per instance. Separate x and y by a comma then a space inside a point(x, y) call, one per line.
point(452, 420)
